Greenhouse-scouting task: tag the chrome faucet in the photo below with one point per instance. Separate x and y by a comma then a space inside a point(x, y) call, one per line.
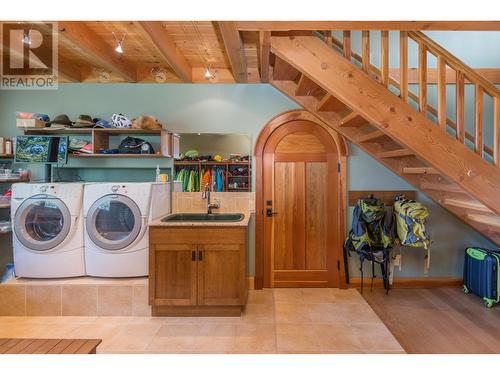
point(206, 195)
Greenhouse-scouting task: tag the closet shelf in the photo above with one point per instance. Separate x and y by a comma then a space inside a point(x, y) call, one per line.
point(211, 162)
point(226, 166)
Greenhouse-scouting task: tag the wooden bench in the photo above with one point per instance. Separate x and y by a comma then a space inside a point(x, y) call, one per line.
point(49, 346)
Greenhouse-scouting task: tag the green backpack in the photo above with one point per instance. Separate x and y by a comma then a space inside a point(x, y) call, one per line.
point(370, 226)
point(410, 217)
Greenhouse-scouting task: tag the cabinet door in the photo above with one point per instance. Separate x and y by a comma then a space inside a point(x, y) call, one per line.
point(173, 275)
point(221, 274)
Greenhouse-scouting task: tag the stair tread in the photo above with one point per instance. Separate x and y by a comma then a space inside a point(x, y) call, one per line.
point(450, 188)
point(420, 170)
point(397, 153)
point(485, 219)
point(372, 136)
point(469, 204)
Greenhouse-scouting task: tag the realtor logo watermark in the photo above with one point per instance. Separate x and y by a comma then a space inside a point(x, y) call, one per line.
point(29, 56)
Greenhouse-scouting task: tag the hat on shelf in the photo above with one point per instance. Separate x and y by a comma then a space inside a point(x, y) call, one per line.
point(120, 121)
point(41, 117)
point(79, 145)
point(102, 124)
point(84, 121)
point(61, 120)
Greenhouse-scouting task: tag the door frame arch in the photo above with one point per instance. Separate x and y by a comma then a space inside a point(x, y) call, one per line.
point(260, 144)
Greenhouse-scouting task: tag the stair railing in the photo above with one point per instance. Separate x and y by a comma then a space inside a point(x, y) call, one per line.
point(445, 61)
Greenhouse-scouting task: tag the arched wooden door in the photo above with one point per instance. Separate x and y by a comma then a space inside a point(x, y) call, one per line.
point(301, 207)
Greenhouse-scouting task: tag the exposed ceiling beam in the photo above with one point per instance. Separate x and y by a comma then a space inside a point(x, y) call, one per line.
point(368, 25)
point(264, 55)
point(98, 51)
point(165, 44)
point(234, 49)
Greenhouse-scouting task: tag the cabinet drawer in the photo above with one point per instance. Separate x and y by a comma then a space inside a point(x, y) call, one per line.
point(197, 235)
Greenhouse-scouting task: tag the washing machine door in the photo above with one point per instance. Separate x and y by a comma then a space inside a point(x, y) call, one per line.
point(42, 222)
point(113, 222)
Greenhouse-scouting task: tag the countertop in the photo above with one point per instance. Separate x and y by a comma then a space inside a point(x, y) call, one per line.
point(242, 223)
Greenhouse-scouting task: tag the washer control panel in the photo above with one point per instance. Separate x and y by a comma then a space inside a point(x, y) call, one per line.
point(119, 188)
point(47, 189)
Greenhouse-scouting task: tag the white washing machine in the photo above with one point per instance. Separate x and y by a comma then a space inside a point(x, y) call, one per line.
point(47, 225)
point(116, 219)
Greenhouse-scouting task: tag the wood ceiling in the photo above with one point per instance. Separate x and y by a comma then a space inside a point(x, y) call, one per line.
point(237, 51)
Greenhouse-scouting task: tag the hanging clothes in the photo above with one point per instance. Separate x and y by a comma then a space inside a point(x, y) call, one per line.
point(189, 179)
point(206, 178)
point(219, 179)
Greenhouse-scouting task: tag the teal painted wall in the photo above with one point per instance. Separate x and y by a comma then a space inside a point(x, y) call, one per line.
point(229, 109)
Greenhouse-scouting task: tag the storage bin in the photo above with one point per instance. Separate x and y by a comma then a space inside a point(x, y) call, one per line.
point(29, 123)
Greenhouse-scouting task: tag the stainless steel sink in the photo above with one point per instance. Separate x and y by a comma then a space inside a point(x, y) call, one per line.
point(204, 217)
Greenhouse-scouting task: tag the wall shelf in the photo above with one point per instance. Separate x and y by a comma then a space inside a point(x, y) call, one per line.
point(89, 131)
point(143, 156)
point(101, 140)
point(2, 180)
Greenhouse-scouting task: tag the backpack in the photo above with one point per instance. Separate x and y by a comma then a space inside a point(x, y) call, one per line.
point(371, 226)
point(371, 236)
point(131, 145)
point(410, 218)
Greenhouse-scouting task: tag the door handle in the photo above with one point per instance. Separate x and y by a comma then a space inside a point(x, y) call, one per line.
point(200, 255)
point(270, 213)
point(193, 255)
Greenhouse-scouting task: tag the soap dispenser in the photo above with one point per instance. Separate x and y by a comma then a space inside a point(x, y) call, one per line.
point(157, 173)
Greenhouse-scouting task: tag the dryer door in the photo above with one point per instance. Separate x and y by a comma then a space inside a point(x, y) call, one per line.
point(113, 222)
point(42, 222)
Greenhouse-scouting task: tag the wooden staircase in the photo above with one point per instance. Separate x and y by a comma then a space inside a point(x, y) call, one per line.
point(402, 131)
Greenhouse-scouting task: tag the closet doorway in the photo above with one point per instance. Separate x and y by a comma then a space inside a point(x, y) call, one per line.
point(300, 203)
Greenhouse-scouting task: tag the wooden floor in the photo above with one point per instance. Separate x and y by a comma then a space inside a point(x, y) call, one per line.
point(437, 320)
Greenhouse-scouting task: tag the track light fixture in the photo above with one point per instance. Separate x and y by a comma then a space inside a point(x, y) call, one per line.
point(119, 43)
point(27, 37)
point(209, 73)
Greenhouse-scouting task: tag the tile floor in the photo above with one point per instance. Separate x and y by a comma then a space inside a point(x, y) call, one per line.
point(275, 321)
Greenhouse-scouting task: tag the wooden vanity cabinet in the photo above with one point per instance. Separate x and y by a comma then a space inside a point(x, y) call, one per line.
point(197, 271)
